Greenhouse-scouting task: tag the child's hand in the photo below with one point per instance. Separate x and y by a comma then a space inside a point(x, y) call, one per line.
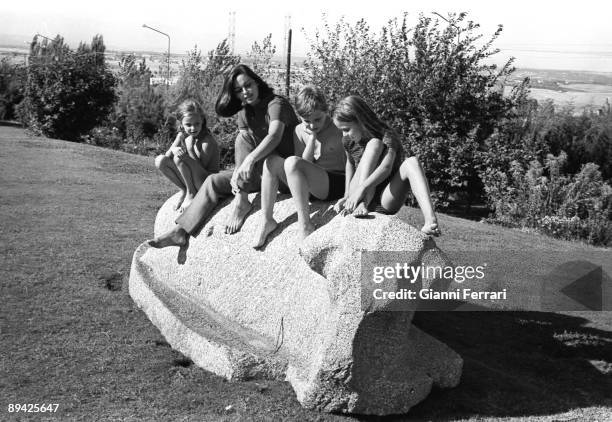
point(353, 200)
point(178, 152)
point(431, 229)
point(339, 206)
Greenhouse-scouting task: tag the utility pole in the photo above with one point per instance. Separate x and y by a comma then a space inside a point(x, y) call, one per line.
point(231, 33)
point(288, 80)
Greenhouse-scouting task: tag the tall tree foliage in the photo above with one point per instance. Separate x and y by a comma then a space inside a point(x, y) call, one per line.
point(431, 82)
point(67, 93)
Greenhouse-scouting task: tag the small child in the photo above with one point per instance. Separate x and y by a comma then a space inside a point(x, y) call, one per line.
point(317, 168)
point(193, 155)
point(378, 177)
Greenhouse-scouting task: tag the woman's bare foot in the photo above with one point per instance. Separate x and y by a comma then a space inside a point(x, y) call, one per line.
point(178, 204)
point(175, 237)
point(431, 229)
point(360, 211)
point(304, 232)
point(241, 207)
point(267, 227)
point(186, 202)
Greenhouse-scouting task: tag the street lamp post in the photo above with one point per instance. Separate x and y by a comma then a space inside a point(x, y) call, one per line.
point(144, 25)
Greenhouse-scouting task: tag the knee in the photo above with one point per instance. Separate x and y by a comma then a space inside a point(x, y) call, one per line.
point(410, 166)
point(273, 164)
point(161, 161)
point(177, 160)
point(243, 139)
point(293, 164)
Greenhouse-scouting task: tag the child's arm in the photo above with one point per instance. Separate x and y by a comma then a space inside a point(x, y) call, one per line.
point(369, 178)
point(209, 154)
point(349, 171)
point(176, 147)
point(311, 145)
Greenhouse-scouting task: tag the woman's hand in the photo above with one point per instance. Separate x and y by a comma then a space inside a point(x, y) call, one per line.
point(354, 199)
point(243, 172)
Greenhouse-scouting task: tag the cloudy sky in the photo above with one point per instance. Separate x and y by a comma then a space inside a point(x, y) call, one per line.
point(574, 33)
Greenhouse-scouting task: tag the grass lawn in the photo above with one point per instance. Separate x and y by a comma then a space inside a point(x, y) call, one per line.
point(71, 217)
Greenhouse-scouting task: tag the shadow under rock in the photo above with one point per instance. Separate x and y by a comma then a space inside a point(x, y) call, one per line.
point(517, 364)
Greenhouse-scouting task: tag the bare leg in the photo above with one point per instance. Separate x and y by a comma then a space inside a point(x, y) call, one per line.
point(240, 208)
point(273, 170)
point(194, 175)
point(411, 176)
point(304, 177)
point(168, 168)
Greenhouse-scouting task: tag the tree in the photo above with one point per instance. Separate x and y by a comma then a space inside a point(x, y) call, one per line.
point(67, 93)
point(12, 80)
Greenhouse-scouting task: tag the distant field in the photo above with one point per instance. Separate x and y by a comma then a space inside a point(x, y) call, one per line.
point(594, 96)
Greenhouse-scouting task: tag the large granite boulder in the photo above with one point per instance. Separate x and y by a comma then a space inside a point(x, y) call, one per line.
point(296, 311)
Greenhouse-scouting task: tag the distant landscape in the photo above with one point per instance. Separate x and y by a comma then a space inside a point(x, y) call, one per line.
point(580, 89)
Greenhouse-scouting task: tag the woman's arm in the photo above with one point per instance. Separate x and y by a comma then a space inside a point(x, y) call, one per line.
point(267, 145)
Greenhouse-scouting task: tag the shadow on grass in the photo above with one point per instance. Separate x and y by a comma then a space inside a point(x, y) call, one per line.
point(517, 364)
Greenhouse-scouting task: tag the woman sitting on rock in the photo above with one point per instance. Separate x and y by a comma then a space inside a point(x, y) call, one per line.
point(266, 122)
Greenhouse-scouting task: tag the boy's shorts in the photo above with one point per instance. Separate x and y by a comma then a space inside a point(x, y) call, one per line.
point(336, 186)
point(335, 191)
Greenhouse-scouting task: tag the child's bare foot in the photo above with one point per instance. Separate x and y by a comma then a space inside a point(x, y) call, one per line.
point(360, 211)
point(267, 227)
point(186, 202)
point(175, 237)
point(431, 229)
point(241, 208)
point(178, 204)
point(304, 232)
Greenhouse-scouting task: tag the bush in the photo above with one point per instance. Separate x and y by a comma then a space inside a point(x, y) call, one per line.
point(67, 93)
point(540, 196)
point(12, 80)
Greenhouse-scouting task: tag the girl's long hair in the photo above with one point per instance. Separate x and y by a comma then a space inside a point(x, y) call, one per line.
point(354, 109)
point(228, 102)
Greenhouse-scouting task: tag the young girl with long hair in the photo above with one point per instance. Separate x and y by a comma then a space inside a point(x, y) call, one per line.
point(193, 155)
point(378, 177)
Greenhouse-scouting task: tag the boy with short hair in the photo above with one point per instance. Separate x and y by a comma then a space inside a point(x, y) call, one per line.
point(317, 168)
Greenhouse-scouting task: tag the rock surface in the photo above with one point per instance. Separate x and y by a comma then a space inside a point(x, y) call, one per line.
point(295, 310)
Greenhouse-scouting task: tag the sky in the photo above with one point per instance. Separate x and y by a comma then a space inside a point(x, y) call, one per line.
point(574, 35)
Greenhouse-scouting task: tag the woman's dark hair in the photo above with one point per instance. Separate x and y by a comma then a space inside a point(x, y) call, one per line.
point(228, 103)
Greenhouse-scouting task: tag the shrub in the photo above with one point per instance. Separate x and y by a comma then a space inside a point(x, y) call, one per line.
point(541, 196)
point(67, 93)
